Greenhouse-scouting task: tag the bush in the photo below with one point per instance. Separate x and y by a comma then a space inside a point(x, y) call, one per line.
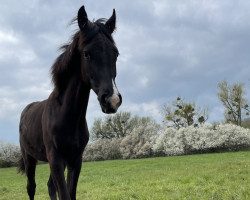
point(9, 154)
point(168, 143)
point(146, 142)
point(138, 144)
point(103, 149)
point(233, 138)
point(204, 139)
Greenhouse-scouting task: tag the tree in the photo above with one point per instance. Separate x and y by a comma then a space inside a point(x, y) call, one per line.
point(118, 125)
point(182, 114)
point(234, 102)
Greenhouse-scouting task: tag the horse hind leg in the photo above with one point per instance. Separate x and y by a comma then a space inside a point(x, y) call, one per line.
point(51, 189)
point(30, 168)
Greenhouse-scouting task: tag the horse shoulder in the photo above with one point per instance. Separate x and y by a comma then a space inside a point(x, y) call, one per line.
point(60, 131)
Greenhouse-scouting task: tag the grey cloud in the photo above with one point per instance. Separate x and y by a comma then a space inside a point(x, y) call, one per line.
point(168, 48)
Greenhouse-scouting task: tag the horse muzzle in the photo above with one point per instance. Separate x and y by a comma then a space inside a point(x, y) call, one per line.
point(110, 104)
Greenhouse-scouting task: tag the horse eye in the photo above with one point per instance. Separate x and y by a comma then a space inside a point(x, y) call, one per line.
point(86, 55)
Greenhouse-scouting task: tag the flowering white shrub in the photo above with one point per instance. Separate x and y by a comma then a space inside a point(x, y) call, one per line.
point(206, 138)
point(233, 137)
point(146, 142)
point(168, 143)
point(103, 149)
point(9, 154)
point(138, 144)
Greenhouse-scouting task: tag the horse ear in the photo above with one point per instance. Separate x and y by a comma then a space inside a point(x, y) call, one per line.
point(82, 18)
point(111, 23)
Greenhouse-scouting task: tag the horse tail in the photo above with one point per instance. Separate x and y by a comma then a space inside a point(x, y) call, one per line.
point(21, 166)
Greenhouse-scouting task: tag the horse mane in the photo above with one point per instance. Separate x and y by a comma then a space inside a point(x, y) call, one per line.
point(63, 66)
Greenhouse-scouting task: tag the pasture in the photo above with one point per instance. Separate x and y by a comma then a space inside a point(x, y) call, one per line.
point(222, 176)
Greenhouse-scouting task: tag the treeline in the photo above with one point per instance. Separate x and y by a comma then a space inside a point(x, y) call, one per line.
point(152, 141)
point(147, 142)
point(179, 113)
point(184, 131)
point(123, 137)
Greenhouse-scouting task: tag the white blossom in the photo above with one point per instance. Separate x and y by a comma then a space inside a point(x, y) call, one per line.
point(9, 153)
point(206, 138)
point(147, 142)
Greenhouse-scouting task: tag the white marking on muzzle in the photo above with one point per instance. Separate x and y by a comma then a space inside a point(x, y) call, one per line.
point(114, 99)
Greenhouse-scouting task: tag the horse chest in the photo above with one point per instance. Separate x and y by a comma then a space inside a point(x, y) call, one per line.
point(67, 133)
point(70, 141)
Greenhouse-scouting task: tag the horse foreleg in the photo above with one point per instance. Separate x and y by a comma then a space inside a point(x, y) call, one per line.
point(74, 170)
point(57, 166)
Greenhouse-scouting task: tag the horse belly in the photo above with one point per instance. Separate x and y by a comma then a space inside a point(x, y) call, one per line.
point(31, 134)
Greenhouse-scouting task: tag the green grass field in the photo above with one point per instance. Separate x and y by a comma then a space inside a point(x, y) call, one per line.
point(208, 176)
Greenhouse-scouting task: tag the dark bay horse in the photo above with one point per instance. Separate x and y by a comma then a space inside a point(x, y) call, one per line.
point(55, 130)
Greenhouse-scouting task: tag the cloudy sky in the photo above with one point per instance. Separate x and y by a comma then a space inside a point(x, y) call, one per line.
point(168, 48)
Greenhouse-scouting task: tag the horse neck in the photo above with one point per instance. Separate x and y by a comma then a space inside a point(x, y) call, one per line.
point(75, 97)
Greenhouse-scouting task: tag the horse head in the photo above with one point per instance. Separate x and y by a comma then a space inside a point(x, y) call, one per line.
point(98, 58)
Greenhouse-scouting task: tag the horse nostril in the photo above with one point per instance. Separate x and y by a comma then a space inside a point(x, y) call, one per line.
point(103, 99)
